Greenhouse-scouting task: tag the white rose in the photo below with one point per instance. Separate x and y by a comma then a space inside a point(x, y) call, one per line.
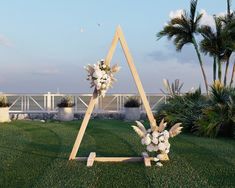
point(159, 164)
point(147, 140)
point(150, 147)
point(155, 148)
point(161, 138)
point(155, 159)
point(155, 133)
point(98, 86)
point(166, 134)
point(97, 74)
point(161, 146)
point(103, 86)
point(155, 140)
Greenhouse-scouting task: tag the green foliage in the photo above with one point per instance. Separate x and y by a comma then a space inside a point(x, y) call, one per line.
point(132, 102)
point(205, 116)
point(66, 102)
point(185, 109)
point(4, 101)
point(219, 117)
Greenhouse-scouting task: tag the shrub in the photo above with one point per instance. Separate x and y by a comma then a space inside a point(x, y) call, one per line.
point(186, 109)
point(132, 103)
point(66, 102)
point(219, 117)
point(4, 101)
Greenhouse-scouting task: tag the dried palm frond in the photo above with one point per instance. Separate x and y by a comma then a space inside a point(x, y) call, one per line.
point(138, 131)
point(141, 126)
point(115, 68)
point(162, 126)
point(175, 130)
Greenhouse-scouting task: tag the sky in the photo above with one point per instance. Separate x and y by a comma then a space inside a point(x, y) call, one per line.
point(45, 44)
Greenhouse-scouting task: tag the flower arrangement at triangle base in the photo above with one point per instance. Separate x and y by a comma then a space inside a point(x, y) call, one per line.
point(156, 139)
point(101, 76)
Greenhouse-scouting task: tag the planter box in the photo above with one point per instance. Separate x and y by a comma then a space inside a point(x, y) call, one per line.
point(66, 114)
point(4, 114)
point(132, 114)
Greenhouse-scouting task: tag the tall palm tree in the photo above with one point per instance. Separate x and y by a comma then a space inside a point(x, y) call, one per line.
point(215, 44)
point(183, 29)
point(227, 20)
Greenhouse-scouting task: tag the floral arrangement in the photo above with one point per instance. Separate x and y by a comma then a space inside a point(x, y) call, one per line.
point(101, 76)
point(156, 139)
point(66, 102)
point(4, 101)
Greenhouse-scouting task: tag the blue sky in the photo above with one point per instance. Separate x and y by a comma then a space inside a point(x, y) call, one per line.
point(44, 44)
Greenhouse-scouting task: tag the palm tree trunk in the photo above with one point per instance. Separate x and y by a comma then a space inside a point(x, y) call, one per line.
point(226, 72)
point(214, 69)
point(232, 77)
point(201, 64)
point(219, 69)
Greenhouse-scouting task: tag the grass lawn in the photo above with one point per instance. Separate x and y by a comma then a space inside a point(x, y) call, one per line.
point(35, 154)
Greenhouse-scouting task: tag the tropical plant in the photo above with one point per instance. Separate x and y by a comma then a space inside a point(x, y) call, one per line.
point(132, 102)
point(183, 29)
point(186, 109)
point(215, 43)
point(172, 89)
point(4, 101)
point(219, 117)
point(66, 102)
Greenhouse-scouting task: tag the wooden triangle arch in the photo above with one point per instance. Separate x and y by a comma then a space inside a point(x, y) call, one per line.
point(92, 157)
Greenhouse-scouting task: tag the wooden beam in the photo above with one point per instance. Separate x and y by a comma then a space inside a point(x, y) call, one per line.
point(112, 49)
point(91, 159)
point(136, 77)
point(82, 130)
point(118, 159)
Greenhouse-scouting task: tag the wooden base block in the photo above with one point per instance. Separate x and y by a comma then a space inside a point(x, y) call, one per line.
point(91, 159)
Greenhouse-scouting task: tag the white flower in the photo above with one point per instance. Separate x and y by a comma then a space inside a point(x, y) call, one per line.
point(103, 86)
point(155, 140)
point(161, 156)
point(98, 86)
point(155, 133)
point(149, 131)
point(161, 138)
point(150, 147)
point(147, 140)
point(159, 164)
point(155, 148)
point(167, 151)
point(166, 134)
point(161, 146)
point(155, 159)
point(97, 73)
point(104, 66)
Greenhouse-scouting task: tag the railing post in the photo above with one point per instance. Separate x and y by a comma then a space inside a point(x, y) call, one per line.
point(49, 101)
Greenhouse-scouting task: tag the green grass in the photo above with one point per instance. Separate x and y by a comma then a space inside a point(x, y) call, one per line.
point(35, 154)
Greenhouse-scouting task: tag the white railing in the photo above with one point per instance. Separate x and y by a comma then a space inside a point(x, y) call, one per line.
point(47, 103)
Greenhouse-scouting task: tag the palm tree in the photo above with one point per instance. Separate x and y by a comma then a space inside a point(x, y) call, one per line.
point(183, 30)
point(227, 20)
point(215, 44)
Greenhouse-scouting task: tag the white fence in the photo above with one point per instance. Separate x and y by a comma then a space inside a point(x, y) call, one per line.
point(47, 103)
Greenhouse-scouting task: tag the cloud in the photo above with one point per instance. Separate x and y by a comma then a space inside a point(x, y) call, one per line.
point(5, 41)
point(176, 13)
point(207, 19)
